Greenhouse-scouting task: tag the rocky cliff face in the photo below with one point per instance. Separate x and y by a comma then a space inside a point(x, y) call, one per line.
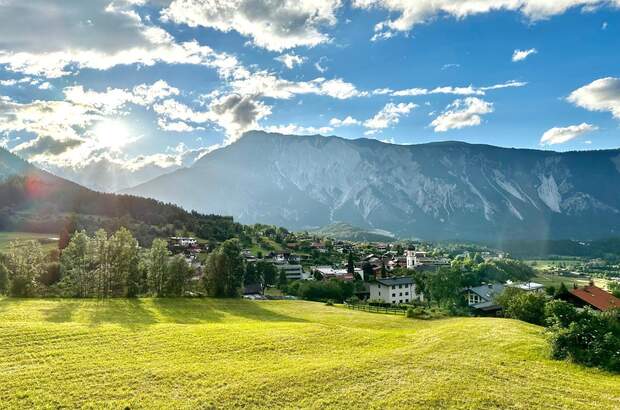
point(444, 190)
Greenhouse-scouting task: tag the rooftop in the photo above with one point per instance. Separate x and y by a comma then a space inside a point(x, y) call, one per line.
point(596, 297)
point(401, 280)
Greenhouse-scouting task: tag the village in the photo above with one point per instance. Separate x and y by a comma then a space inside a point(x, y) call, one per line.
point(386, 274)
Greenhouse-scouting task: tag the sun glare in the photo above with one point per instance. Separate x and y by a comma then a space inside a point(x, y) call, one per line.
point(113, 134)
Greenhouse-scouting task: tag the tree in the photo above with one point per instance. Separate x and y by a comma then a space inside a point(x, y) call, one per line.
point(267, 271)
point(614, 288)
point(282, 279)
point(561, 292)
point(101, 260)
point(124, 259)
point(4, 279)
point(76, 263)
point(25, 263)
point(526, 306)
point(252, 274)
point(224, 270)
point(368, 271)
point(444, 286)
point(179, 273)
point(350, 264)
point(157, 264)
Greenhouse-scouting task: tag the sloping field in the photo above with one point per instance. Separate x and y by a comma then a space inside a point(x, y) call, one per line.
point(206, 353)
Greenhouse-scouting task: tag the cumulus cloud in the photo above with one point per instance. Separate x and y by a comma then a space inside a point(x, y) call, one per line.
point(275, 25)
point(560, 135)
point(336, 122)
point(520, 55)
point(46, 145)
point(234, 113)
point(389, 115)
point(462, 113)
point(600, 95)
point(290, 60)
point(410, 13)
point(97, 34)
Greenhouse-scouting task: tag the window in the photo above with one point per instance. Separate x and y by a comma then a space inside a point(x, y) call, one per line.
point(393, 295)
point(406, 293)
point(400, 286)
point(379, 293)
point(393, 286)
point(400, 294)
point(400, 301)
point(406, 300)
point(379, 285)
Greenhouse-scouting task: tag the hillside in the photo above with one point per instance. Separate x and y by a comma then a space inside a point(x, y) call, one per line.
point(152, 353)
point(447, 190)
point(346, 232)
point(33, 200)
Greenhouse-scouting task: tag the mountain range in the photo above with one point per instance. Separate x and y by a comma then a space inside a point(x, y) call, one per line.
point(444, 190)
point(34, 200)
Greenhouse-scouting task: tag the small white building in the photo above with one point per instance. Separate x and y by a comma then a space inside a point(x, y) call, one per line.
point(528, 286)
point(394, 290)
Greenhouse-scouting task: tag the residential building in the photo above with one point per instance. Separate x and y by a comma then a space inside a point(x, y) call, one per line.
point(394, 290)
point(482, 297)
point(421, 261)
point(292, 272)
point(528, 286)
point(594, 297)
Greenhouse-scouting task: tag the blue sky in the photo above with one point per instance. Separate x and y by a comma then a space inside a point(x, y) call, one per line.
point(153, 84)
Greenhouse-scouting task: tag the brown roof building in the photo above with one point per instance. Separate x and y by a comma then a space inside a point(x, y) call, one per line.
point(594, 297)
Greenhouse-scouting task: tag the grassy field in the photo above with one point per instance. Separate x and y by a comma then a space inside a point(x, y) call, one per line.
point(48, 241)
point(205, 353)
point(555, 280)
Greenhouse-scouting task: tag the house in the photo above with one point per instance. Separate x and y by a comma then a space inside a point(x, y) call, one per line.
point(528, 286)
point(482, 298)
point(328, 272)
point(292, 272)
point(421, 261)
point(253, 289)
point(594, 297)
point(394, 290)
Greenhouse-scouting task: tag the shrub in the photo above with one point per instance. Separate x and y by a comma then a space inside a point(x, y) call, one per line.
point(526, 306)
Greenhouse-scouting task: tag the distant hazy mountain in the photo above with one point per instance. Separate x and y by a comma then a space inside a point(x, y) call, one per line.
point(33, 200)
point(435, 191)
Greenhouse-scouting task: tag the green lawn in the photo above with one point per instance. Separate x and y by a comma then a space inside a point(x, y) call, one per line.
point(48, 241)
point(204, 353)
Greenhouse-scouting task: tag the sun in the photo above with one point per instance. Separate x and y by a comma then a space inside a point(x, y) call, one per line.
point(113, 134)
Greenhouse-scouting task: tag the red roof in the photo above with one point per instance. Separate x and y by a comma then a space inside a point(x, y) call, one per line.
point(596, 297)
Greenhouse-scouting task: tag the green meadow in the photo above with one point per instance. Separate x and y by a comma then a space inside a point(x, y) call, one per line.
point(47, 240)
point(205, 353)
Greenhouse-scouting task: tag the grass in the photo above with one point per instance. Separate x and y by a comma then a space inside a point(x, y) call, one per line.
point(548, 279)
point(203, 353)
point(48, 241)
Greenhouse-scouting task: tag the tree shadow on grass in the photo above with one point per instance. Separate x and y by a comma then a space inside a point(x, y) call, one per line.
point(187, 311)
point(256, 310)
point(62, 311)
point(129, 313)
point(196, 311)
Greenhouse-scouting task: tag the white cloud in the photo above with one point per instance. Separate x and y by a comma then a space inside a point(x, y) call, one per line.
point(295, 129)
point(462, 113)
point(263, 83)
point(520, 55)
point(97, 34)
point(600, 95)
point(234, 113)
point(290, 60)
point(336, 122)
point(320, 65)
point(469, 90)
point(560, 135)
point(410, 13)
point(275, 25)
point(389, 115)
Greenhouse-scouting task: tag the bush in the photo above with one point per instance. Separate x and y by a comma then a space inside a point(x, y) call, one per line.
point(333, 289)
point(526, 306)
point(592, 339)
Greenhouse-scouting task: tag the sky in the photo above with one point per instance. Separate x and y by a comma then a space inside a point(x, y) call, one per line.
point(141, 87)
